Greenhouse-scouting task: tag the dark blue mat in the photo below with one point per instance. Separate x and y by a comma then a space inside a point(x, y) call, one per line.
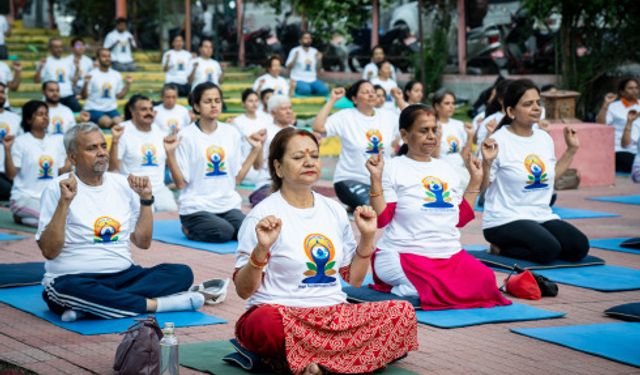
point(170, 231)
point(21, 274)
point(626, 199)
point(605, 278)
point(10, 237)
point(29, 299)
point(612, 244)
point(515, 312)
point(573, 213)
point(615, 341)
point(366, 294)
point(500, 261)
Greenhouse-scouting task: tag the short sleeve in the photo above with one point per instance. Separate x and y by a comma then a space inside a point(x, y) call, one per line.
point(256, 83)
point(610, 117)
point(133, 40)
point(186, 119)
point(247, 240)
point(290, 57)
point(48, 203)
point(119, 83)
point(17, 152)
point(122, 148)
point(165, 56)
point(108, 41)
point(349, 243)
point(182, 157)
point(335, 124)
point(237, 153)
point(388, 186)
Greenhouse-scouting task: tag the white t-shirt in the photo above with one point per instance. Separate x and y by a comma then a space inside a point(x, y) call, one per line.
point(59, 70)
point(121, 52)
point(522, 178)
point(278, 84)
point(617, 116)
point(86, 64)
point(427, 211)
point(170, 120)
point(61, 119)
point(387, 85)
point(247, 126)
point(98, 226)
point(477, 120)
point(265, 176)
point(9, 124)
point(102, 90)
point(142, 154)
point(312, 239)
point(6, 76)
point(39, 161)
point(209, 164)
point(360, 137)
point(372, 69)
point(208, 70)
point(4, 27)
point(305, 67)
point(179, 66)
point(454, 138)
point(482, 129)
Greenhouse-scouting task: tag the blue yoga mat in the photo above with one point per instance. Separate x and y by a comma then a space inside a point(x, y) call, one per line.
point(573, 213)
point(612, 244)
point(29, 299)
point(468, 317)
point(626, 199)
point(10, 237)
point(170, 231)
point(615, 341)
point(21, 274)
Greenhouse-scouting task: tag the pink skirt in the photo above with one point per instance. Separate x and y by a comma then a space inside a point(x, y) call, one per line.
point(459, 282)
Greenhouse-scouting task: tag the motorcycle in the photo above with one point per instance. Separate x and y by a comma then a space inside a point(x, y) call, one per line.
point(398, 44)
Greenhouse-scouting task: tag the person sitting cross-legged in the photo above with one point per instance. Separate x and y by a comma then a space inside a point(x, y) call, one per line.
point(88, 220)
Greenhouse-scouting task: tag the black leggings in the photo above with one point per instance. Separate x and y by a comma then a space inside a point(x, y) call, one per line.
point(539, 242)
point(624, 161)
point(209, 227)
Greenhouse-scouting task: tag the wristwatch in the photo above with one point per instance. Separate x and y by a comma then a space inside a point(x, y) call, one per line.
point(147, 202)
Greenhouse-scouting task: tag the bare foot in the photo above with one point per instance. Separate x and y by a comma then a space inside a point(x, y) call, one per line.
point(312, 369)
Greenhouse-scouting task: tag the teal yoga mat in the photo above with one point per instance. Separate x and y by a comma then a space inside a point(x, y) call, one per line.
point(615, 341)
point(626, 199)
point(612, 244)
point(170, 231)
point(29, 299)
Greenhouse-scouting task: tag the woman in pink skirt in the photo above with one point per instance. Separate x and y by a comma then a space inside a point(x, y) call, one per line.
point(418, 201)
point(292, 249)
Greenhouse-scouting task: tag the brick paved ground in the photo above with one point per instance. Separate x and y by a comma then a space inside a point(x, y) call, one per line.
point(487, 349)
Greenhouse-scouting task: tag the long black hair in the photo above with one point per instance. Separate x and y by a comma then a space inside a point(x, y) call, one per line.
point(512, 96)
point(495, 105)
point(408, 117)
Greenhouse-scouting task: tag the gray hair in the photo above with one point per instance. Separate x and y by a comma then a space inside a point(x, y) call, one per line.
point(275, 101)
point(71, 135)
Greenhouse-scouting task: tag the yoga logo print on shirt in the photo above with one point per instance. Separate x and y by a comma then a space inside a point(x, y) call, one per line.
point(215, 161)
point(106, 90)
point(46, 167)
point(172, 124)
point(180, 65)
point(437, 191)
point(536, 172)
point(307, 65)
point(149, 153)
point(60, 73)
point(5, 129)
point(106, 229)
point(123, 45)
point(209, 74)
point(320, 251)
point(58, 125)
point(374, 142)
point(454, 144)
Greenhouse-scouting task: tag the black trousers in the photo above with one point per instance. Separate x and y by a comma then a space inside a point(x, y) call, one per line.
point(624, 161)
point(539, 242)
point(209, 227)
point(5, 187)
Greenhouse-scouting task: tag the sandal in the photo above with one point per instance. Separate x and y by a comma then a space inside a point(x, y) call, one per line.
point(214, 290)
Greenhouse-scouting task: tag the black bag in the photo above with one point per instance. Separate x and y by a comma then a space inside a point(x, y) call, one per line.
point(139, 351)
point(547, 287)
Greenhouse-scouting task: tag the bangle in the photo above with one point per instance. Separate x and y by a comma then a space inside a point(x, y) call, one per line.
point(256, 263)
point(361, 256)
point(471, 191)
point(373, 195)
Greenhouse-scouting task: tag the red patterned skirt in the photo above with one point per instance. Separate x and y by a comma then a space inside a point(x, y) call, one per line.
point(343, 338)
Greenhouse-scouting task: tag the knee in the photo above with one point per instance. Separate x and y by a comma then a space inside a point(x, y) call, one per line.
point(180, 273)
point(581, 247)
point(546, 252)
point(261, 331)
point(303, 89)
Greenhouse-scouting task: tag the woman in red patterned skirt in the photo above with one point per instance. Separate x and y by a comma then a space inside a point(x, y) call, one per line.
point(293, 248)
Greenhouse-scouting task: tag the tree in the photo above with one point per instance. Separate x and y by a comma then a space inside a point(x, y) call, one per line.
point(595, 37)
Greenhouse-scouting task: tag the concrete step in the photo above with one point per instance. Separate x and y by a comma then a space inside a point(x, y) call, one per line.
point(158, 75)
point(30, 89)
point(140, 57)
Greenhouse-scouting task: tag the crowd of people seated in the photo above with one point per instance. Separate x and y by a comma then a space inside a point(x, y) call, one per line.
point(410, 169)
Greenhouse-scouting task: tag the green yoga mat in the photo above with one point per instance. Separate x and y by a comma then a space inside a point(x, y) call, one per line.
point(6, 222)
point(207, 357)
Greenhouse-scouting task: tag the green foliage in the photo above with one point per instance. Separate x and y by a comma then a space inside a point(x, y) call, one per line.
point(436, 47)
point(608, 30)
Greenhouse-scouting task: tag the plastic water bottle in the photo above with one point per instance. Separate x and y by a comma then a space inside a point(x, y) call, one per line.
point(169, 364)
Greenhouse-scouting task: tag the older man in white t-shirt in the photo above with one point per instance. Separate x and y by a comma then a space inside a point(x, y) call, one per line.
point(303, 63)
point(87, 222)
